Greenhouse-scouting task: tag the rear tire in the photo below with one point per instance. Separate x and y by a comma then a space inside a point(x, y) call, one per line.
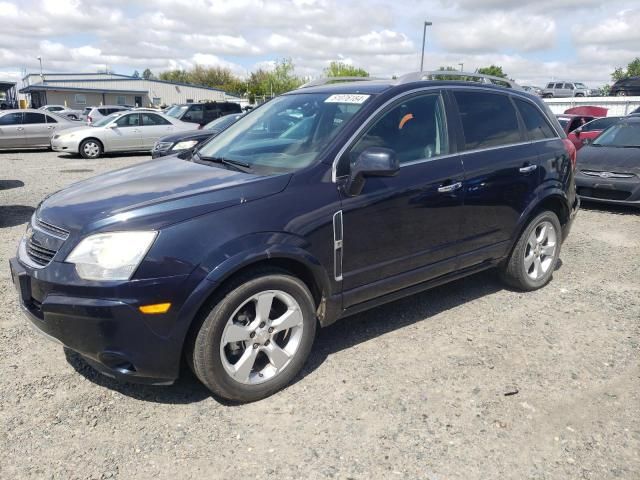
point(621, 94)
point(535, 255)
point(256, 338)
point(91, 148)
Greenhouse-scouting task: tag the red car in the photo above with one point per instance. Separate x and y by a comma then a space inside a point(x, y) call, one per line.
point(570, 122)
point(585, 134)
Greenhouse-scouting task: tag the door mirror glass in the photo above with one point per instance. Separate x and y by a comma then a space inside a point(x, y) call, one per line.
point(372, 162)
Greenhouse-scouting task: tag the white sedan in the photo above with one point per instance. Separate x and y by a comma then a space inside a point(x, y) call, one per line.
point(119, 132)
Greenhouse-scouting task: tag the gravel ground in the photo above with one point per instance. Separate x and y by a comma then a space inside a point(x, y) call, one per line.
point(467, 381)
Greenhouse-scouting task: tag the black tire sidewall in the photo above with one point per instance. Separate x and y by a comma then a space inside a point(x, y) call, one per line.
point(207, 363)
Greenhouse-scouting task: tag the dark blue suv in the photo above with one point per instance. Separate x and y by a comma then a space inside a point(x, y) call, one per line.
point(321, 203)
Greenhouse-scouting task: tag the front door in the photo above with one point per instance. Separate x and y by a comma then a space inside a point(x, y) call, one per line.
point(11, 130)
point(405, 229)
point(126, 134)
point(138, 101)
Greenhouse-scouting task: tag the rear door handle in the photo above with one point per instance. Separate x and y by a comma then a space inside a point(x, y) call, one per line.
point(50, 127)
point(528, 168)
point(19, 129)
point(450, 188)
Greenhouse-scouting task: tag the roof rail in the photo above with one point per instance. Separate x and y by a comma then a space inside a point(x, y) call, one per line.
point(328, 80)
point(463, 76)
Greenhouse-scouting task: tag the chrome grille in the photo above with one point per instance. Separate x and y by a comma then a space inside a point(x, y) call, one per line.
point(52, 229)
point(594, 173)
point(39, 254)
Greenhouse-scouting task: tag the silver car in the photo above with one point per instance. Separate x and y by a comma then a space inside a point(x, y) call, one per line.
point(63, 111)
point(119, 132)
point(96, 113)
point(30, 128)
point(567, 89)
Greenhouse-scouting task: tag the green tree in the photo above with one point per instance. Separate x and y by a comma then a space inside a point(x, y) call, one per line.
point(264, 83)
point(494, 70)
point(136, 74)
point(632, 70)
point(341, 69)
point(147, 74)
point(178, 76)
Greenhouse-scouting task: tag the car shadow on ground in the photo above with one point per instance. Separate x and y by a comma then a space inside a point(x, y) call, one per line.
point(342, 335)
point(13, 215)
point(609, 208)
point(76, 156)
point(9, 184)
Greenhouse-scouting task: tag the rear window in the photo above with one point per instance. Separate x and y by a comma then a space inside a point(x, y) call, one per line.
point(488, 120)
point(30, 117)
point(535, 124)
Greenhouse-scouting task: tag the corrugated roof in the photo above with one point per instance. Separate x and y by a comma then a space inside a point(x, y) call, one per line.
point(39, 87)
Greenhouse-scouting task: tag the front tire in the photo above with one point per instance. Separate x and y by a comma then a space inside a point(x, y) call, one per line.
point(535, 255)
point(256, 338)
point(90, 148)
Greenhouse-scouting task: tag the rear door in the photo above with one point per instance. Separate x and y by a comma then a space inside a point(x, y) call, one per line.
point(36, 133)
point(154, 127)
point(126, 135)
point(11, 130)
point(195, 114)
point(500, 169)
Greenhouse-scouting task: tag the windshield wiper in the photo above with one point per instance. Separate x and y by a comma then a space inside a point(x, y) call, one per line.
point(238, 165)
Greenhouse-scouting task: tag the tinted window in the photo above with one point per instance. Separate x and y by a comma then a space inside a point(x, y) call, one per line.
point(149, 119)
point(195, 114)
point(132, 120)
point(600, 124)
point(414, 129)
point(534, 122)
point(550, 85)
point(11, 119)
point(488, 119)
point(569, 86)
point(50, 119)
point(30, 117)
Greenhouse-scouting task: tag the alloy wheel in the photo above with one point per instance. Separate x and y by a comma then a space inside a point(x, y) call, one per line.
point(540, 251)
point(261, 337)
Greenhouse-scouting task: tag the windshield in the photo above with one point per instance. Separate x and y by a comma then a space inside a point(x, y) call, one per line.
point(286, 134)
point(104, 120)
point(177, 110)
point(222, 122)
point(621, 135)
point(580, 85)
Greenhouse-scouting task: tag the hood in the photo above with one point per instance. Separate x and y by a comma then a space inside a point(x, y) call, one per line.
point(79, 130)
point(609, 159)
point(154, 194)
point(200, 135)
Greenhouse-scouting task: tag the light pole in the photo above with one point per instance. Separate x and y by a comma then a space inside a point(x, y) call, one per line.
point(424, 36)
point(461, 67)
point(40, 60)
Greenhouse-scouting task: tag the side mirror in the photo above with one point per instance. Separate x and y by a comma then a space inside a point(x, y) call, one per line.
point(372, 162)
point(112, 125)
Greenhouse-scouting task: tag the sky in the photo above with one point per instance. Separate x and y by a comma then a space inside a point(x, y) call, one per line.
point(534, 42)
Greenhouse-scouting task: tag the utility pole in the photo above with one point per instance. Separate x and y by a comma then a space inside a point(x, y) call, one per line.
point(461, 67)
point(424, 37)
point(41, 76)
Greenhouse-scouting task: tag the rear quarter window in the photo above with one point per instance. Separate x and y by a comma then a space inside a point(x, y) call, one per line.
point(535, 124)
point(488, 120)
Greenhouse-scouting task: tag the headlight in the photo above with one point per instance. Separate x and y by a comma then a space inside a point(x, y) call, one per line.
point(186, 145)
point(111, 256)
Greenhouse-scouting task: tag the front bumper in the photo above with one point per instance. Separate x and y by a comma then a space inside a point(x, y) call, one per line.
point(65, 145)
point(618, 191)
point(108, 330)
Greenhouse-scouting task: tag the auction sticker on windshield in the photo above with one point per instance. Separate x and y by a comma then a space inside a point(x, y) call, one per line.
point(346, 98)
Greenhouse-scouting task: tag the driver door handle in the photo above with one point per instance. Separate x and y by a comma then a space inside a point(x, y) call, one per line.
point(450, 188)
point(528, 168)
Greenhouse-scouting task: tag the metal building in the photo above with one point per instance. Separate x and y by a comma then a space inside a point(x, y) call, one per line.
point(79, 90)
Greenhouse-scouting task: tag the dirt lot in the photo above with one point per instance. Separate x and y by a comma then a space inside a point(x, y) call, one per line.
point(468, 381)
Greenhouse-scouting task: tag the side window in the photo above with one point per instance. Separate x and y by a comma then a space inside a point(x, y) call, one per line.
point(50, 119)
point(569, 86)
point(132, 120)
point(151, 119)
point(550, 85)
point(30, 118)
point(558, 85)
point(488, 120)
point(535, 124)
point(11, 119)
point(415, 129)
point(195, 114)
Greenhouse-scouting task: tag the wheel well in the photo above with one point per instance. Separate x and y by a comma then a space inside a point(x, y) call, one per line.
point(557, 206)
